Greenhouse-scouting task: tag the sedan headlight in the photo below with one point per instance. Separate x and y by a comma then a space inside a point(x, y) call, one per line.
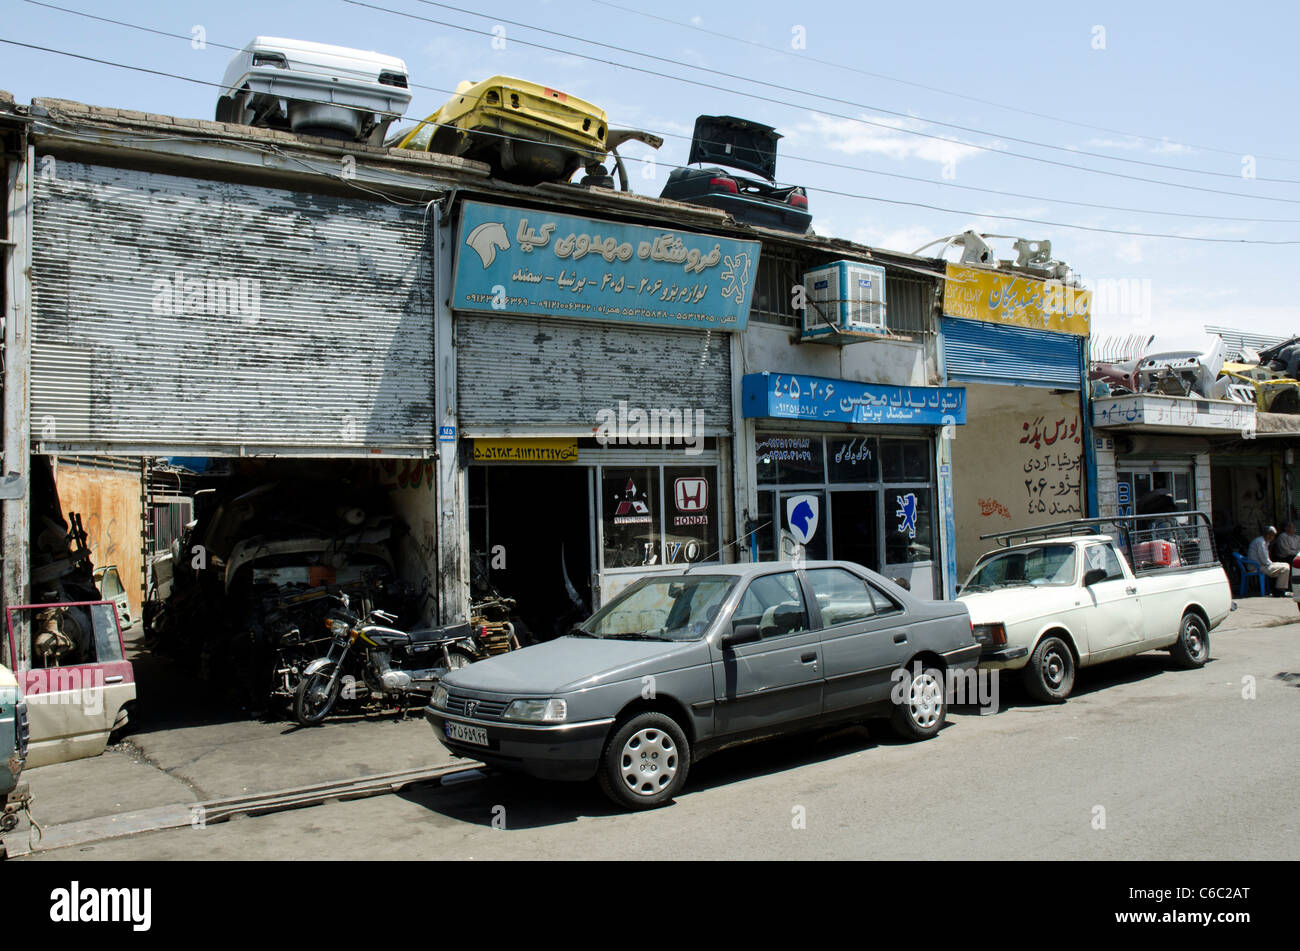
point(439, 698)
point(541, 711)
point(990, 635)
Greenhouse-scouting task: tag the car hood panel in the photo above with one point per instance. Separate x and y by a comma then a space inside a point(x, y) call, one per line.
point(568, 663)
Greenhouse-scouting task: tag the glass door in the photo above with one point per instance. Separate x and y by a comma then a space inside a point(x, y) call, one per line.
point(855, 527)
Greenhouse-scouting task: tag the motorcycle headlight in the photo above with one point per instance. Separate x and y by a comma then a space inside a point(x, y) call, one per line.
point(541, 711)
point(439, 698)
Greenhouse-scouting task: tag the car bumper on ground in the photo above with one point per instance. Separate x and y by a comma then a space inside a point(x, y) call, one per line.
point(564, 751)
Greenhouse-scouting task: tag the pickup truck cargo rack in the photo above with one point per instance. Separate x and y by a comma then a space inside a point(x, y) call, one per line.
point(1167, 541)
point(1090, 526)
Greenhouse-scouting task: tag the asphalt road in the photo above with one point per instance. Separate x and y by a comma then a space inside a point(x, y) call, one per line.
point(1143, 762)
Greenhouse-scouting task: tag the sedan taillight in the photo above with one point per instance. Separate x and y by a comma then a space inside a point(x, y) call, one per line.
point(723, 185)
point(798, 200)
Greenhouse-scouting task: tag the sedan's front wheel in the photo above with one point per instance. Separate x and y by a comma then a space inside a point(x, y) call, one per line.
point(645, 762)
point(920, 706)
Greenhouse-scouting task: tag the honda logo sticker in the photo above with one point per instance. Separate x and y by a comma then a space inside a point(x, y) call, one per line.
point(692, 497)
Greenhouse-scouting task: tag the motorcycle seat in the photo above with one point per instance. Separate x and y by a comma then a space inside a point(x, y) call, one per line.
point(433, 635)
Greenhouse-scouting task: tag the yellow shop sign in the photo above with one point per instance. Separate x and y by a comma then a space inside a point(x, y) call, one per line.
point(525, 450)
point(979, 294)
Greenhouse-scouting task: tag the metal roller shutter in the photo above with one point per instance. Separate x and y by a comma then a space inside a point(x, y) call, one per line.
point(550, 375)
point(221, 318)
point(978, 352)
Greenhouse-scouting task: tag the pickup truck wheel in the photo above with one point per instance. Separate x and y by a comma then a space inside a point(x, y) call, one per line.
point(922, 707)
point(645, 762)
point(1192, 649)
point(1049, 675)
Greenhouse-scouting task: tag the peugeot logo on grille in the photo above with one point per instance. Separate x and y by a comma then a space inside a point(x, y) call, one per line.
point(470, 707)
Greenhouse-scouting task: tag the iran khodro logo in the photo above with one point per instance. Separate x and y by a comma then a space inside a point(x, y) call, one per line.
point(802, 513)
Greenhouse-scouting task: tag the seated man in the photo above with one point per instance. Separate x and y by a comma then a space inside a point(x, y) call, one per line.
point(1279, 571)
point(1287, 545)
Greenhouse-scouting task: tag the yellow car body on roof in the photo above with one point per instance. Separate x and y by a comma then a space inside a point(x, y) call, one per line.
point(527, 126)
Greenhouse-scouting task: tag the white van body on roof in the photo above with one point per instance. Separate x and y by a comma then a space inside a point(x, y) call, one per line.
point(314, 89)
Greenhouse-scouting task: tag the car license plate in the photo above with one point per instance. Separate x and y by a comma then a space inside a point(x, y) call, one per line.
point(466, 734)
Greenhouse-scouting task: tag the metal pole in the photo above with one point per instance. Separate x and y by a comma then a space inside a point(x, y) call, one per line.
point(15, 522)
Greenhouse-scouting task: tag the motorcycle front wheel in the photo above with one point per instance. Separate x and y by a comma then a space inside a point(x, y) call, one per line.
point(460, 658)
point(315, 697)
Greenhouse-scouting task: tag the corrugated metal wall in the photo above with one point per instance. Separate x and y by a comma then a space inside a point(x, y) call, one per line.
point(554, 374)
point(980, 352)
point(182, 312)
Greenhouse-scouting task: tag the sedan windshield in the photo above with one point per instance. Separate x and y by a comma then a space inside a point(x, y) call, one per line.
point(671, 608)
point(1036, 565)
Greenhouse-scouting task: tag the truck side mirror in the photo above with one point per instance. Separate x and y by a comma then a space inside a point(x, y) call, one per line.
point(741, 634)
point(1092, 576)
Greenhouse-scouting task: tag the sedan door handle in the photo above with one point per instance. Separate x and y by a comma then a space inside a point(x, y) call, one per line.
point(809, 658)
point(1130, 590)
point(900, 638)
point(114, 680)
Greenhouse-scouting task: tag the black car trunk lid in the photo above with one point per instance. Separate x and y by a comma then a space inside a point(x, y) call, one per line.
point(736, 143)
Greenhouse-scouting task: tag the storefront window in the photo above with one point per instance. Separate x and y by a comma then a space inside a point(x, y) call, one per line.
point(905, 460)
point(789, 460)
point(631, 510)
point(908, 524)
point(803, 523)
point(853, 460)
point(874, 506)
point(691, 514)
point(653, 515)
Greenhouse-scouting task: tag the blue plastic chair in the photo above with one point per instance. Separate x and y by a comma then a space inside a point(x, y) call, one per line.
point(1248, 569)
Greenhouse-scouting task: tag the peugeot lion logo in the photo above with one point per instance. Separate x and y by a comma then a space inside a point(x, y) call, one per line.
point(470, 707)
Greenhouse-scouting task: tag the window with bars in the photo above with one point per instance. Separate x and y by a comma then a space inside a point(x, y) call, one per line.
point(909, 297)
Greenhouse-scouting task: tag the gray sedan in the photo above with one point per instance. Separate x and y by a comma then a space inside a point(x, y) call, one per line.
point(679, 665)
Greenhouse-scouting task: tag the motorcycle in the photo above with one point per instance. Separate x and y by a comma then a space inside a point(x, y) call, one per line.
point(402, 665)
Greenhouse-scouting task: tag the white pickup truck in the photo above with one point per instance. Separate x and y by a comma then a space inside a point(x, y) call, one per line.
point(1066, 596)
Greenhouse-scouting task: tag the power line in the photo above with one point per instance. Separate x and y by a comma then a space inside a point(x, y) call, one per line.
point(946, 92)
point(860, 105)
point(830, 191)
point(836, 115)
point(787, 156)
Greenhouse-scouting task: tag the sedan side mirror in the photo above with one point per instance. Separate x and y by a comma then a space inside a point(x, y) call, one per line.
point(741, 634)
point(1092, 576)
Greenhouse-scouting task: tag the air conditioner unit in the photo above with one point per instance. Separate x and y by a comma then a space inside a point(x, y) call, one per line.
point(844, 298)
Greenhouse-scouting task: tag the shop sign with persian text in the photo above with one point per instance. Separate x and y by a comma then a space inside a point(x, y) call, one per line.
point(799, 396)
point(525, 261)
point(995, 297)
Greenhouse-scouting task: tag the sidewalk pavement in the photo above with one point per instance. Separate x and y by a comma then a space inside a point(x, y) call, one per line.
point(183, 750)
point(1261, 612)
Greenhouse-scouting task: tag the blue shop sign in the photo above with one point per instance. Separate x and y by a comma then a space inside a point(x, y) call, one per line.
point(524, 261)
point(799, 396)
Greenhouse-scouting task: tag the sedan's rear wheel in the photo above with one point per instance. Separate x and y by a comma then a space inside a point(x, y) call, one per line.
point(920, 706)
point(1049, 675)
point(645, 762)
point(1192, 649)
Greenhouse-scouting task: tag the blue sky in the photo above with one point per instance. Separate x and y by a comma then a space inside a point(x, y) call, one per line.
point(1208, 90)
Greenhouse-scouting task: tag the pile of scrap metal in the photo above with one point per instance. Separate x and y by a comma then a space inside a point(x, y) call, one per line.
point(1168, 366)
point(1199, 366)
point(246, 607)
point(1272, 376)
point(61, 572)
